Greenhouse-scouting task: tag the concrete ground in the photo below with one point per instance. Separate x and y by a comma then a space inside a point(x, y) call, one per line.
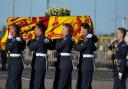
point(48, 84)
point(101, 79)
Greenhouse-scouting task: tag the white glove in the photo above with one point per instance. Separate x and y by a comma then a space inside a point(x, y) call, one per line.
point(73, 39)
point(18, 38)
point(120, 75)
point(89, 36)
point(9, 36)
point(46, 40)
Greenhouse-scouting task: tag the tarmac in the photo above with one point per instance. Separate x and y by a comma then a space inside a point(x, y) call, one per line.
point(102, 79)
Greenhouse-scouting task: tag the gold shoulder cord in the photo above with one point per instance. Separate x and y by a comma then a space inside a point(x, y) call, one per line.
point(116, 61)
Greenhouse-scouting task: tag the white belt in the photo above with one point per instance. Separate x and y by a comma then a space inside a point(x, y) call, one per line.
point(15, 55)
point(65, 54)
point(41, 54)
point(88, 55)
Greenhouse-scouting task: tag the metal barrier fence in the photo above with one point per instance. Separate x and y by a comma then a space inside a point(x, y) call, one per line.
point(102, 61)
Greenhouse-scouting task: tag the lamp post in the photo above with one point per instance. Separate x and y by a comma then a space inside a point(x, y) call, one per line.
point(13, 8)
point(95, 6)
point(123, 21)
point(116, 13)
point(47, 4)
point(30, 8)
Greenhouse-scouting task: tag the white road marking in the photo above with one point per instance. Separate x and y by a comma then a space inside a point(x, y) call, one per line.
point(27, 79)
point(23, 78)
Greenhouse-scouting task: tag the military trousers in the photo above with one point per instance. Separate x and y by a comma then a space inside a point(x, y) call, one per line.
point(15, 68)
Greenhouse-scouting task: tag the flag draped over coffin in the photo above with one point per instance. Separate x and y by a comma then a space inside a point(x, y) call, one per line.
point(53, 24)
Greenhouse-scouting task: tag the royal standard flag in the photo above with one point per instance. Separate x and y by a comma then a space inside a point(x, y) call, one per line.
point(53, 24)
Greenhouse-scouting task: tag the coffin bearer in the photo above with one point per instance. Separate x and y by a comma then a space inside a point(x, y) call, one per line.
point(65, 64)
point(39, 45)
point(15, 45)
point(86, 47)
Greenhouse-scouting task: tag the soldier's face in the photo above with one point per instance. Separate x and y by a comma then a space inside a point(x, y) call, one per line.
point(65, 30)
point(12, 31)
point(119, 35)
point(83, 31)
point(38, 32)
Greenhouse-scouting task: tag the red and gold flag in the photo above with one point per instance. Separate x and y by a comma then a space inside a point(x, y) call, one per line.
point(53, 24)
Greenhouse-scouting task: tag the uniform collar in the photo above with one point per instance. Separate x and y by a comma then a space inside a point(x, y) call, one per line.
point(120, 43)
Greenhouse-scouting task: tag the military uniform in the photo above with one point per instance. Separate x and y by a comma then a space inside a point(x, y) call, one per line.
point(119, 64)
point(15, 46)
point(40, 65)
point(65, 64)
point(86, 66)
point(4, 59)
point(78, 85)
point(32, 65)
point(57, 72)
point(32, 71)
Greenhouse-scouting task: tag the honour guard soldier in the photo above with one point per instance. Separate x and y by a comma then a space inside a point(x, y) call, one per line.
point(40, 46)
point(15, 45)
point(65, 63)
point(86, 47)
point(120, 49)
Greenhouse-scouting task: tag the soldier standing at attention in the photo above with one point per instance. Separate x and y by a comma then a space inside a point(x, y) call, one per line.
point(120, 49)
point(15, 45)
point(86, 47)
point(39, 46)
point(65, 62)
